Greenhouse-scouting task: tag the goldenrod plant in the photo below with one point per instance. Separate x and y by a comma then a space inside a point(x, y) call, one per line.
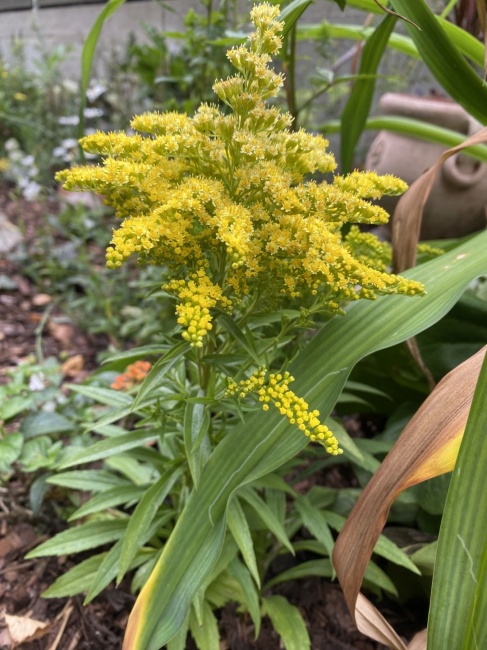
point(272, 282)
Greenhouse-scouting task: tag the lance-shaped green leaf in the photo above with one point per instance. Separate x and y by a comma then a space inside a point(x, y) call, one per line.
point(265, 441)
point(288, 622)
point(88, 55)
point(359, 101)
point(459, 596)
point(444, 59)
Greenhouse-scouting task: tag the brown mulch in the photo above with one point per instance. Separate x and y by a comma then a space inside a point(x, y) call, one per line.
point(29, 319)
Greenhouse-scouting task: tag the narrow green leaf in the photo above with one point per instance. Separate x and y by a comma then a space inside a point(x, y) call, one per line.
point(249, 592)
point(111, 446)
point(360, 98)
point(110, 567)
point(263, 511)
point(239, 527)
point(103, 395)
point(108, 499)
point(88, 54)
point(81, 538)
point(444, 59)
point(90, 480)
point(135, 354)
point(416, 129)
point(310, 569)
point(234, 331)
point(459, 594)
point(315, 521)
point(75, 581)
point(292, 13)
point(384, 547)
point(159, 371)
point(195, 434)
point(142, 517)
point(288, 622)
point(206, 635)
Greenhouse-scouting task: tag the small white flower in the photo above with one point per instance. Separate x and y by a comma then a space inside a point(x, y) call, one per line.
point(69, 143)
point(68, 120)
point(37, 381)
point(90, 113)
point(95, 91)
point(11, 144)
point(70, 86)
point(31, 191)
point(27, 161)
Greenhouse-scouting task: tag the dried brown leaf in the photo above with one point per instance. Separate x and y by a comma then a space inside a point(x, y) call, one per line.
point(23, 629)
point(427, 447)
point(408, 214)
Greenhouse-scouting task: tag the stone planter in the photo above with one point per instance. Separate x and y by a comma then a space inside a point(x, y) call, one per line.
point(457, 204)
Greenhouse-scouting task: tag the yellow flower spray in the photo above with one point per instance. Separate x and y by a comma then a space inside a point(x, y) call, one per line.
point(226, 203)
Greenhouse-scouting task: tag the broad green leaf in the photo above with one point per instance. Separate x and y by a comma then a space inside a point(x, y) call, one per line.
point(112, 446)
point(459, 594)
point(288, 622)
point(444, 59)
point(239, 527)
point(81, 538)
point(45, 422)
point(12, 406)
point(109, 499)
point(178, 642)
point(265, 441)
point(159, 371)
point(142, 517)
point(360, 98)
point(90, 480)
point(10, 450)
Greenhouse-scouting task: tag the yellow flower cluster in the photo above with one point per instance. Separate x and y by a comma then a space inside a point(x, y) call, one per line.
point(195, 299)
point(230, 192)
point(276, 391)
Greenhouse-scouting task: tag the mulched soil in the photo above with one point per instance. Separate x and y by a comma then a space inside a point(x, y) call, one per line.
point(66, 624)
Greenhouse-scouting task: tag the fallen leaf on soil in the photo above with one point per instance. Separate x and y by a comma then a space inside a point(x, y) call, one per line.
point(62, 332)
point(22, 629)
point(73, 365)
point(41, 299)
point(16, 538)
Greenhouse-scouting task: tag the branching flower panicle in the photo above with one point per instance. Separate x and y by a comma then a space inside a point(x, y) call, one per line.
point(226, 202)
